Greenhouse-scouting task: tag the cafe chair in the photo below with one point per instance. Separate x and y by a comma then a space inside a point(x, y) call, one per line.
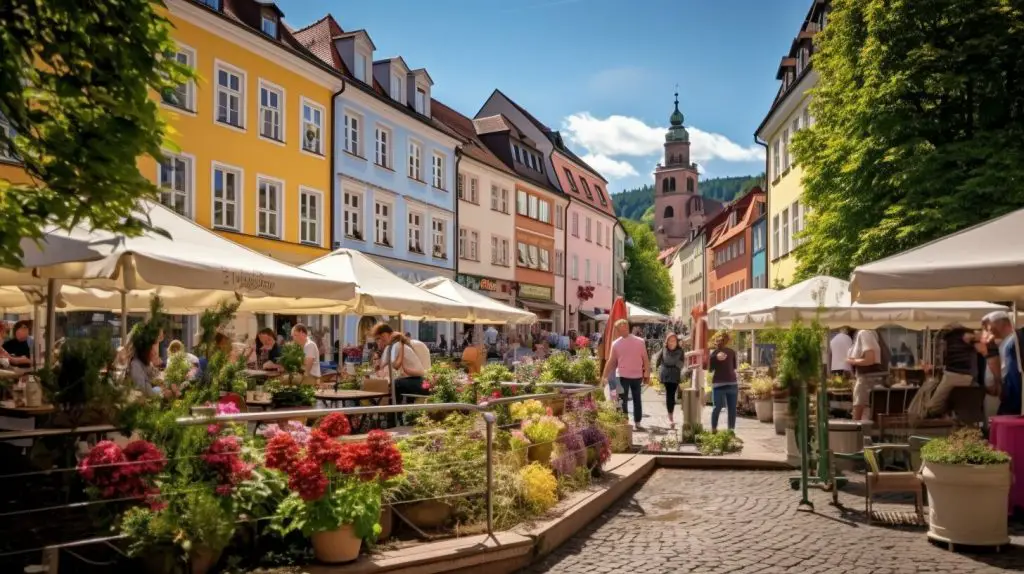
point(878, 481)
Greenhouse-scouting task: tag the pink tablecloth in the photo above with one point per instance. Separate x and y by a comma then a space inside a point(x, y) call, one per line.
point(1006, 433)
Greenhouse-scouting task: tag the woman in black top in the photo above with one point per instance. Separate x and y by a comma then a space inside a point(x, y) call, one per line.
point(17, 346)
point(670, 373)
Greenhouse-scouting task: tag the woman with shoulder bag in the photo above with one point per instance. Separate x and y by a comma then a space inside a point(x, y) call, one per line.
point(670, 373)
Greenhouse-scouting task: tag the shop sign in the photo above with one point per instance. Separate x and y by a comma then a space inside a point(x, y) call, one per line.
point(481, 284)
point(536, 292)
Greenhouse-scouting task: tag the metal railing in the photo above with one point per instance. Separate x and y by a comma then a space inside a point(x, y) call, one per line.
point(485, 409)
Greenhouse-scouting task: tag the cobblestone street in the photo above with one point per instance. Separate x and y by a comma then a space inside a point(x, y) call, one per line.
point(746, 521)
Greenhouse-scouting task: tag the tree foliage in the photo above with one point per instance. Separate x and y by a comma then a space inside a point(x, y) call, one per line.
point(76, 80)
point(919, 126)
point(647, 280)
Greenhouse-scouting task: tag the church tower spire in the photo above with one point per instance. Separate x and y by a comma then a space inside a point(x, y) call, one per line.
point(678, 207)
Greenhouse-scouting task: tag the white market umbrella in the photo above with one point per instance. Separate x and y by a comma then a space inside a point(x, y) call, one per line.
point(637, 314)
point(483, 308)
point(744, 300)
point(983, 262)
point(381, 292)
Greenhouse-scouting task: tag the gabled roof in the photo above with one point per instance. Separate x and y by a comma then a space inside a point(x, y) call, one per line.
point(391, 60)
point(744, 207)
point(354, 33)
point(423, 71)
point(474, 148)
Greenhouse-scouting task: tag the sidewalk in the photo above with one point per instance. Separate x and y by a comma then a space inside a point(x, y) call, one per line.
point(759, 439)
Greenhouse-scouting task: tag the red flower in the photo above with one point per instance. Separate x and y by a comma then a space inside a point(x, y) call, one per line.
point(496, 394)
point(321, 448)
point(335, 425)
point(117, 473)
point(426, 386)
point(308, 480)
point(282, 452)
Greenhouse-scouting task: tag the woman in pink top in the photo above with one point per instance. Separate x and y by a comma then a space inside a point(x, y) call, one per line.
point(631, 364)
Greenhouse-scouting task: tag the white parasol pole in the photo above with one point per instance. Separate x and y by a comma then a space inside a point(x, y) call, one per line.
point(1016, 345)
point(124, 318)
point(51, 320)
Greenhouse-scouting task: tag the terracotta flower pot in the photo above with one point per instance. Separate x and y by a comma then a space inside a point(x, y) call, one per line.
point(967, 504)
point(541, 453)
point(764, 409)
point(427, 514)
point(336, 546)
point(203, 559)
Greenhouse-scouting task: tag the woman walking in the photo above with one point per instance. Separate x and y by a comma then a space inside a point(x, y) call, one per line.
point(724, 385)
point(670, 373)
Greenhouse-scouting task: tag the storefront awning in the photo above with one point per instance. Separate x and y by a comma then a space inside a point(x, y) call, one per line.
point(545, 305)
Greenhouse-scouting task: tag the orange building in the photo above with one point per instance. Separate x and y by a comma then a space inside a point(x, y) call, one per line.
point(728, 255)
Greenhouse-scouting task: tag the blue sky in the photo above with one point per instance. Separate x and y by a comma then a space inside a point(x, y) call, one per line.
point(602, 71)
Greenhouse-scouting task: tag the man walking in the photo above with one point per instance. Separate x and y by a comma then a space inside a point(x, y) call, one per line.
point(629, 360)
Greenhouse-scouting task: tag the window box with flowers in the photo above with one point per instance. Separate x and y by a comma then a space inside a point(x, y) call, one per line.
point(439, 252)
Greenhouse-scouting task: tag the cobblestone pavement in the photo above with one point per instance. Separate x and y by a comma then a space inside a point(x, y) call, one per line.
point(743, 521)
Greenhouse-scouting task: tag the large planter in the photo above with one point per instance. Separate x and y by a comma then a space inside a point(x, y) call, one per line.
point(203, 559)
point(541, 453)
point(780, 415)
point(427, 514)
point(387, 521)
point(764, 409)
point(967, 504)
point(336, 546)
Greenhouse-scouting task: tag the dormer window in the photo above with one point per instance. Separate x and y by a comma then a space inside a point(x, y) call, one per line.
point(268, 25)
point(214, 4)
point(396, 87)
point(360, 68)
point(421, 100)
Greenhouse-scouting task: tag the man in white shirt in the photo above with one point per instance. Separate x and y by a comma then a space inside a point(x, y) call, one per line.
point(311, 366)
point(866, 357)
point(491, 336)
point(839, 348)
point(422, 353)
point(401, 361)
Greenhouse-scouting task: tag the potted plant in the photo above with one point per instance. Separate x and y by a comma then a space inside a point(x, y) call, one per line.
point(761, 388)
point(616, 425)
point(336, 487)
point(542, 432)
point(968, 490)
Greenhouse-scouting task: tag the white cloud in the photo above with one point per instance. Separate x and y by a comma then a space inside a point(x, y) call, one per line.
point(615, 136)
point(609, 167)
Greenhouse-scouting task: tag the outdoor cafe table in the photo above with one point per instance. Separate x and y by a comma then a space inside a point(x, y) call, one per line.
point(332, 398)
point(260, 374)
point(1006, 433)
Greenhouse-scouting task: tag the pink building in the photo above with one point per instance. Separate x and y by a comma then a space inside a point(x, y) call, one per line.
point(590, 227)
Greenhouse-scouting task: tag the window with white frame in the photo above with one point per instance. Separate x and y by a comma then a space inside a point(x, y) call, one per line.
point(574, 269)
point(600, 281)
point(421, 100)
point(361, 66)
point(382, 223)
point(353, 215)
point(382, 147)
point(559, 262)
point(608, 237)
point(183, 95)
point(176, 183)
point(785, 149)
point(586, 230)
point(575, 225)
point(586, 271)
point(396, 88)
point(522, 254)
point(495, 256)
point(271, 104)
point(440, 239)
point(559, 217)
point(600, 232)
point(784, 219)
point(499, 250)
point(474, 190)
point(460, 186)
point(469, 244)
point(415, 232)
point(438, 172)
point(503, 204)
point(532, 256)
point(268, 207)
point(227, 184)
point(353, 142)
point(522, 202)
point(495, 198)
point(533, 207)
point(311, 204)
point(796, 225)
point(230, 96)
point(312, 128)
point(777, 158)
point(415, 155)
point(544, 211)
point(775, 236)
point(463, 243)
point(544, 260)
point(268, 26)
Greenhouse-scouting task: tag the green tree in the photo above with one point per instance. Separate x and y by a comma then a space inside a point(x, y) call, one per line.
point(647, 280)
point(919, 126)
point(76, 80)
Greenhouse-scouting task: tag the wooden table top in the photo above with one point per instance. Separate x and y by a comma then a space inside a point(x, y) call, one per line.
point(349, 395)
point(260, 373)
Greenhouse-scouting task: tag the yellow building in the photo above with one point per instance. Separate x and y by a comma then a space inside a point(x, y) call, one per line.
point(789, 114)
point(252, 132)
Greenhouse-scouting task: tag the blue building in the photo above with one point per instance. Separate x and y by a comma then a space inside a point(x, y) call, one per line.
point(395, 167)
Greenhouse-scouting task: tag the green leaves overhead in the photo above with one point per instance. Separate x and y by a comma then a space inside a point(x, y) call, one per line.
point(76, 82)
point(647, 280)
point(919, 126)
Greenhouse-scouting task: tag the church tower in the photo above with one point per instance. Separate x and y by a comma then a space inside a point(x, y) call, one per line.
point(678, 207)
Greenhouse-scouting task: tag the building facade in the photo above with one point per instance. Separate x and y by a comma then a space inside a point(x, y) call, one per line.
point(618, 258)
point(395, 173)
point(789, 113)
point(686, 269)
point(759, 250)
point(679, 208)
point(727, 256)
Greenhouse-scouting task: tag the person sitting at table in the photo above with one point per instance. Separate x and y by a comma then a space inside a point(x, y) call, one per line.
point(265, 352)
point(176, 347)
point(403, 363)
point(960, 350)
point(311, 365)
point(17, 347)
point(142, 370)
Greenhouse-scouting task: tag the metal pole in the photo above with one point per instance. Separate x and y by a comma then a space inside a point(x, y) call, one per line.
point(1016, 344)
point(489, 419)
point(124, 318)
point(51, 320)
point(802, 438)
point(35, 335)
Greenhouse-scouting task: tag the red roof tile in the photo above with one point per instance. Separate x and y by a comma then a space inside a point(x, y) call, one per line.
point(318, 39)
point(465, 127)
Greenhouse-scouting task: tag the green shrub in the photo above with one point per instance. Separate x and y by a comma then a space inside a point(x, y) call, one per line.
point(718, 443)
point(965, 446)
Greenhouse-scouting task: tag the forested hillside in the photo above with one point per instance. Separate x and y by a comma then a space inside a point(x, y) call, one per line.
point(633, 203)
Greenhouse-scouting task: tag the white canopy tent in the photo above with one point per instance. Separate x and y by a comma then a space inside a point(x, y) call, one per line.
point(381, 292)
point(638, 314)
point(746, 299)
point(828, 300)
point(983, 262)
point(483, 309)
